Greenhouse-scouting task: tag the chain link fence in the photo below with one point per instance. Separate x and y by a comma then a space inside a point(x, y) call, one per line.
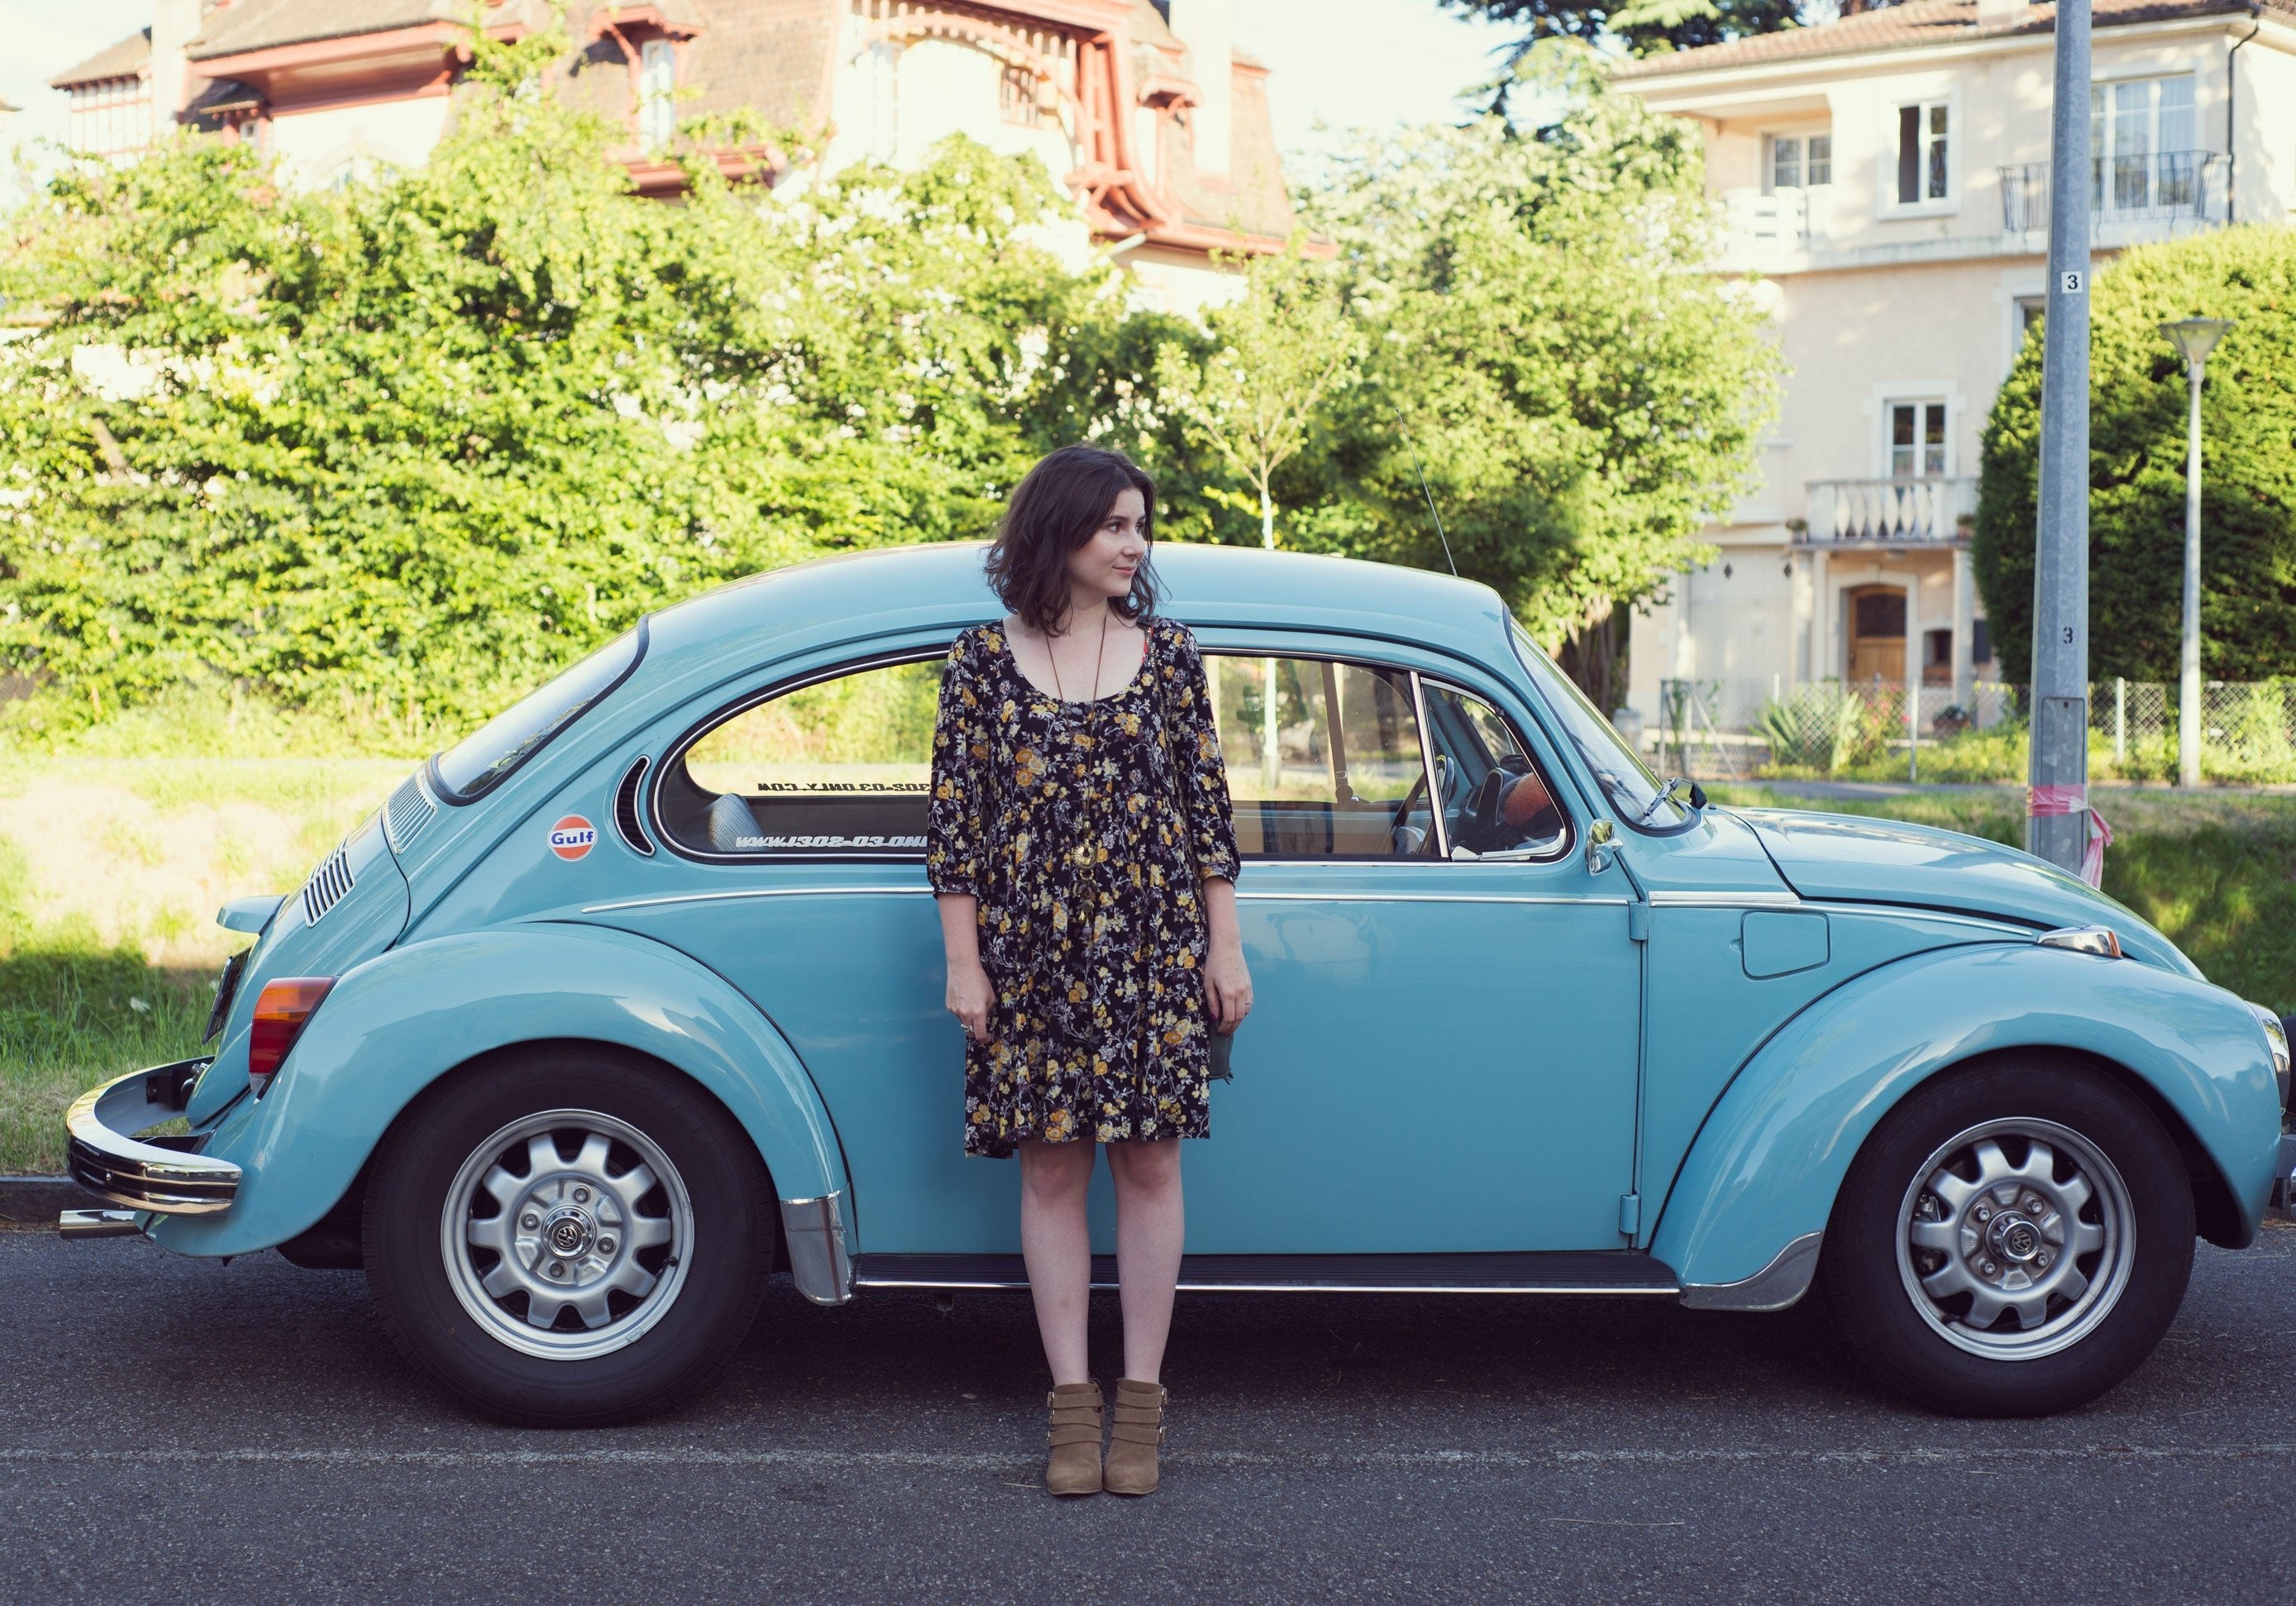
point(1726, 730)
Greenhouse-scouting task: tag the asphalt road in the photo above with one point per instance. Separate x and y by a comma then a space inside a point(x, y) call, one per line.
point(179, 1430)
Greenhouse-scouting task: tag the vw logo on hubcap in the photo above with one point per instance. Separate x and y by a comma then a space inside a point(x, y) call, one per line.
point(568, 1231)
point(2013, 1238)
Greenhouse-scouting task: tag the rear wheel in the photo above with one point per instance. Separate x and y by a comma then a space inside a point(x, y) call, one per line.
point(567, 1237)
point(2011, 1240)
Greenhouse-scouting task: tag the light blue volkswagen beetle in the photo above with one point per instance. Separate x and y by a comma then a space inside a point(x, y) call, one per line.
point(634, 996)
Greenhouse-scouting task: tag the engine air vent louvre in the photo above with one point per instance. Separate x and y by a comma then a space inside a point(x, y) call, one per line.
point(626, 810)
point(409, 810)
point(327, 887)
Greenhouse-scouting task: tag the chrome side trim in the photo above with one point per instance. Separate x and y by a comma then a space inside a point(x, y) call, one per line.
point(1777, 1285)
point(1423, 898)
point(1303, 1286)
point(1750, 900)
point(926, 892)
point(98, 1223)
point(112, 1165)
point(761, 892)
point(818, 1263)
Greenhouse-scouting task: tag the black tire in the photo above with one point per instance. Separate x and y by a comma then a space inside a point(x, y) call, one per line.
point(1938, 1359)
point(706, 1281)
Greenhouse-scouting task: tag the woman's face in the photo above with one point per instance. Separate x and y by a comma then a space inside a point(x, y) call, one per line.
point(1104, 566)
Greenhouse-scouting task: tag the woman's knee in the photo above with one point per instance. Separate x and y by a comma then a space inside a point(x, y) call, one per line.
point(1055, 1174)
point(1149, 1170)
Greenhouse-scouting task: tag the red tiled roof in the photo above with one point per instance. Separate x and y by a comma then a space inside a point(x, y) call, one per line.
point(123, 59)
point(263, 24)
point(1920, 22)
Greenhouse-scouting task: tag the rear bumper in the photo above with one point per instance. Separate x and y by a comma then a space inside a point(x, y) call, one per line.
point(167, 1175)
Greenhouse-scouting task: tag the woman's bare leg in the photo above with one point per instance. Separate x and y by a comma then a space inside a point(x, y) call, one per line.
point(1151, 1221)
point(1056, 1246)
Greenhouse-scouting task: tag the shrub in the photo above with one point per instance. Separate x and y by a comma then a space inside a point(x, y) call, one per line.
point(2136, 466)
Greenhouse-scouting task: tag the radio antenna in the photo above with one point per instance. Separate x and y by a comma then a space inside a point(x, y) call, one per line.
point(1405, 431)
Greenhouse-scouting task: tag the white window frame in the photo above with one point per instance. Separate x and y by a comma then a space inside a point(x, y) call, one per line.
point(1802, 136)
point(2101, 123)
point(1921, 403)
point(1956, 137)
point(657, 93)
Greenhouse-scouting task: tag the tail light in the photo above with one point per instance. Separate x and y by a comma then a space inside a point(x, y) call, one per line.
point(280, 1009)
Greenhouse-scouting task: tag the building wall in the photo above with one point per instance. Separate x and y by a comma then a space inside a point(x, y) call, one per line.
point(1874, 302)
point(323, 146)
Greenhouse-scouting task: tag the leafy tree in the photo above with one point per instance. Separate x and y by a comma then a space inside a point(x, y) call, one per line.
point(1644, 26)
point(422, 441)
point(2137, 403)
point(1280, 351)
point(1585, 394)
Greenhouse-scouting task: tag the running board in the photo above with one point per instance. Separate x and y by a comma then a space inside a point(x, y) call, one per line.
point(1550, 1272)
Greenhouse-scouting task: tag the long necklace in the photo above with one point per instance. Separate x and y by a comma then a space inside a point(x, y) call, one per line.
point(1100, 652)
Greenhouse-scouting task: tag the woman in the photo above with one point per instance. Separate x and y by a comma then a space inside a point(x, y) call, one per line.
point(1082, 853)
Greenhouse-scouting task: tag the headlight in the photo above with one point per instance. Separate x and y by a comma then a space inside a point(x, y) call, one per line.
point(2276, 1035)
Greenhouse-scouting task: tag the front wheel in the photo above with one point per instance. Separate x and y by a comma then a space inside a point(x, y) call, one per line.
point(2011, 1240)
point(567, 1237)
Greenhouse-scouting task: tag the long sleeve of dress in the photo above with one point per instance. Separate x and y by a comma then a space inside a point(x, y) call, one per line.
point(956, 817)
point(1196, 748)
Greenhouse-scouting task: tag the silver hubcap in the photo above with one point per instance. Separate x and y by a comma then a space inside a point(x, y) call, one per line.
point(566, 1234)
point(2013, 1238)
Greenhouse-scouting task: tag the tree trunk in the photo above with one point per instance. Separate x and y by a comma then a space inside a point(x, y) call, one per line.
point(1594, 656)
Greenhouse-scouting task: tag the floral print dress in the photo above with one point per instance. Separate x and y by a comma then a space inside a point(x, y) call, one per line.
point(1084, 846)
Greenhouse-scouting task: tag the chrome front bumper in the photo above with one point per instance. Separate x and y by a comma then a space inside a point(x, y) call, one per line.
point(167, 1175)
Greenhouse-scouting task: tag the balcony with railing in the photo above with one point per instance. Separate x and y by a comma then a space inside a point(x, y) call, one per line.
point(1758, 223)
point(2190, 187)
point(1929, 511)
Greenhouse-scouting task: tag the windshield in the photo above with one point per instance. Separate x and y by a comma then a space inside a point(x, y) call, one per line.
point(479, 762)
point(1625, 779)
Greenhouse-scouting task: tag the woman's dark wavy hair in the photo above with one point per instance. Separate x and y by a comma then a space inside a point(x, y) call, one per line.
point(1057, 508)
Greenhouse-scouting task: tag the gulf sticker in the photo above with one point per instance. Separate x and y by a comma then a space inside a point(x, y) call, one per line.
point(573, 837)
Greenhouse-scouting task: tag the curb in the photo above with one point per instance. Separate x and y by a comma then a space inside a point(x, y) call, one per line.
point(35, 1201)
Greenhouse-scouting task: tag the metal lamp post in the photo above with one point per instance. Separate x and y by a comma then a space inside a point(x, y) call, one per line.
point(2195, 337)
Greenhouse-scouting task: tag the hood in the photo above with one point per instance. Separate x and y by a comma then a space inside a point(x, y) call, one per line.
point(1854, 859)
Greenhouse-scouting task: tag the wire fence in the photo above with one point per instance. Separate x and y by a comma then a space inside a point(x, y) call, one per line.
point(1878, 731)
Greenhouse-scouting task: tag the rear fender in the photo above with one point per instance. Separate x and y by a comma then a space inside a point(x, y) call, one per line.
point(1765, 1166)
point(396, 1024)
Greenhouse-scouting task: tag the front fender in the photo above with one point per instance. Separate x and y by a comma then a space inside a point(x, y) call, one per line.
point(1771, 1156)
point(394, 1024)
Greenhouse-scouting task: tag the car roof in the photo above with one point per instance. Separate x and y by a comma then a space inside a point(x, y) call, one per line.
point(940, 586)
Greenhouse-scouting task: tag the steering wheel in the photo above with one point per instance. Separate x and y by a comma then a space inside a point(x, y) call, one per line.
point(1443, 777)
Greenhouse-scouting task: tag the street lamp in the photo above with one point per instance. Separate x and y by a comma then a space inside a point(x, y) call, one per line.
point(2195, 338)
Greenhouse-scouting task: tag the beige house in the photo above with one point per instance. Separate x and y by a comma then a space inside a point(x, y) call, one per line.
point(1887, 176)
point(1159, 126)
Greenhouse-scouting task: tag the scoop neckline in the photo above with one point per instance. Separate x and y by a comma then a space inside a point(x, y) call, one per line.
point(1005, 646)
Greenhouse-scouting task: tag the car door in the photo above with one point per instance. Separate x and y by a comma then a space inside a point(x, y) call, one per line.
point(1443, 1053)
point(795, 819)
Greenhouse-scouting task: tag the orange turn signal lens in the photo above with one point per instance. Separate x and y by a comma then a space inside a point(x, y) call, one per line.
point(280, 1009)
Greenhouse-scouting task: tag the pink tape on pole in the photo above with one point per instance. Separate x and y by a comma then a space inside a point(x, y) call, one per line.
point(2041, 801)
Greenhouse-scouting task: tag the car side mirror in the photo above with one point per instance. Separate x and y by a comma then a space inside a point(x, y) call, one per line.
point(1599, 836)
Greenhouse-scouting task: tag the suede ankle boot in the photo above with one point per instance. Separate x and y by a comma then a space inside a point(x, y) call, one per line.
point(1072, 1466)
point(1132, 1435)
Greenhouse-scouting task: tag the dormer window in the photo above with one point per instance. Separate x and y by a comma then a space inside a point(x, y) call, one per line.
point(657, 93)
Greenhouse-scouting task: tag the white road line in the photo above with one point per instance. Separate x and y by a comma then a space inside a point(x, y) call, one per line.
point(1244, 1460)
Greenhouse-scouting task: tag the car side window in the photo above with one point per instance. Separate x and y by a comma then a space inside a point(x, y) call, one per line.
point(833, 769)
point(1495, 799)
point(1323, 758)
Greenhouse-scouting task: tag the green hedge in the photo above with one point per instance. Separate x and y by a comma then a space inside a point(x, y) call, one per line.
point(2136, 466)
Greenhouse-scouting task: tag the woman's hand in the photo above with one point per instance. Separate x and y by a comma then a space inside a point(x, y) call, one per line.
point(970, 996)
point(1228, 983)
